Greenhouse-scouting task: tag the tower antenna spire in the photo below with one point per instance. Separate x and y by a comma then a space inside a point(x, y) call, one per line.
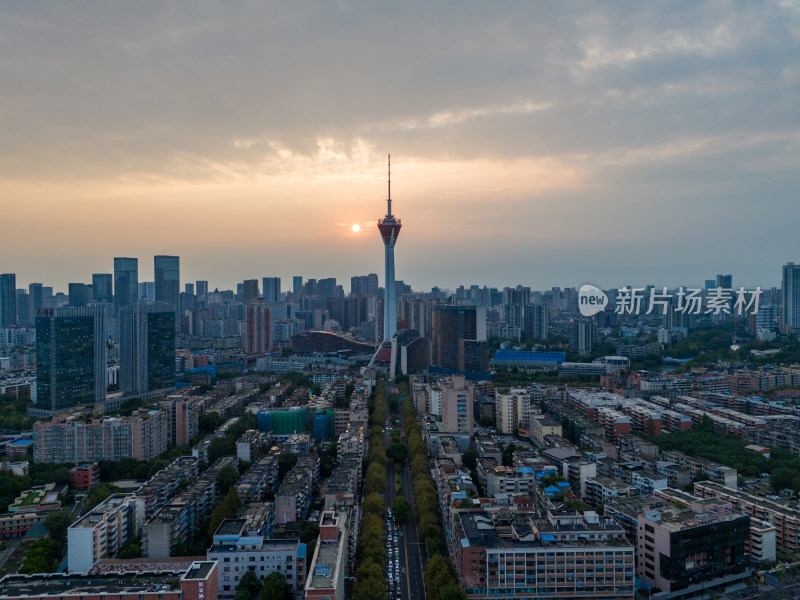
point(389, 200)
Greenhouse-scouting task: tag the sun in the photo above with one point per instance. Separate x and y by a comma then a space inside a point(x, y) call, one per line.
point(356, 228)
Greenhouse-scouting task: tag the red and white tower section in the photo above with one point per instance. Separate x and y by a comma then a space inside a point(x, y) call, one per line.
point(390, 229)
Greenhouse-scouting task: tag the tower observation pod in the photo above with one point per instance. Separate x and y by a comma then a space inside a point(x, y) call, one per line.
point(389, 228)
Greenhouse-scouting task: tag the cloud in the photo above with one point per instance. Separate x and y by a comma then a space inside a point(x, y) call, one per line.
point(508, 106)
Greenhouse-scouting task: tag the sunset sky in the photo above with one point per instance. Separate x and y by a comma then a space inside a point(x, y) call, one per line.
point(541, 143)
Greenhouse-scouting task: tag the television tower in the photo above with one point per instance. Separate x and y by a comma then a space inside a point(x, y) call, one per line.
point(390, 229)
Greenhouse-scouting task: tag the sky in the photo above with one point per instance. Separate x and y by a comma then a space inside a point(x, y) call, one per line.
point(535, 143)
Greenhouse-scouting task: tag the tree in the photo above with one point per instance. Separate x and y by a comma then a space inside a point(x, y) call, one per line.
point(99, 493)
point(470, 458)
point(227, 476)
point(401, 508)
point(132, 548)
point(375, 480)
point(451, 591)
point(42, 557)
point(286, 462)
point(209, 422)
point(397, 452)
point(438, 574)
point(275, 587)
point(225, 508)
point(486, 422)
point(57, 523)
point(508, 455)
point(373, 503)
point(221, 446)
point(249, 587)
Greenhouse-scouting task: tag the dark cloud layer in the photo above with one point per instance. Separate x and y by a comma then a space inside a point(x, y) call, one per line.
point(679, 116)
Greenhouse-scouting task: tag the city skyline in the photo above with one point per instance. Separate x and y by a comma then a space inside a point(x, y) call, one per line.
point(344, 279)
point(537, 144)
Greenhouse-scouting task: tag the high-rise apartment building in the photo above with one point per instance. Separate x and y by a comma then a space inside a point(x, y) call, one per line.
point(167, 280)
point(583, 336)
point(101, 532)
point(364, 285)
point(458, 332)
point(790, 290)
point(534, 322)
point(457, 405)
point(8, 299)
point(102, 287)
point(126, 282)
point(75, 437)
point(147, 348)
point(70, 358)
point(272, 289)
point(258, 327)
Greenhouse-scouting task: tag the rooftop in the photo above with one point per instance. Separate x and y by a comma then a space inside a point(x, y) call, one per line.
point(200, 570)
point(52, 584)
point(324, 569)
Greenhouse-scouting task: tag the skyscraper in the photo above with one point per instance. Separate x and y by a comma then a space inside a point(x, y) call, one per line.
point(790, 291)
point(458, 336)
point(201, 288)
point(297, 285)
point(147, 348)
point(389, 228)
point(77, 294)
point(272, 289)
point(8, 299)
point(35, 293)
point(70, 357)
point(126, 282)
point(23, 308)
point(364, 285)
point(249, 291)
point(167, 272)
point(102, 287)
point(258, 327)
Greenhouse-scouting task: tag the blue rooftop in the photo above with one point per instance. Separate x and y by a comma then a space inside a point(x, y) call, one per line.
point(531, 356)
point(548, 537)
point(301, 550)
point(21, 442)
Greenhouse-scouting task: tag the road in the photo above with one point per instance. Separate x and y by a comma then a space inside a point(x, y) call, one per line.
point(412, 553)
point(11, 545)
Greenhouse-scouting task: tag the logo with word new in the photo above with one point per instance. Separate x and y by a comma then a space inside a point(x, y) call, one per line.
point(591, 300)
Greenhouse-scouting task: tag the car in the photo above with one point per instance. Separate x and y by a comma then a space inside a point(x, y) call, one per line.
point(395, 539)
